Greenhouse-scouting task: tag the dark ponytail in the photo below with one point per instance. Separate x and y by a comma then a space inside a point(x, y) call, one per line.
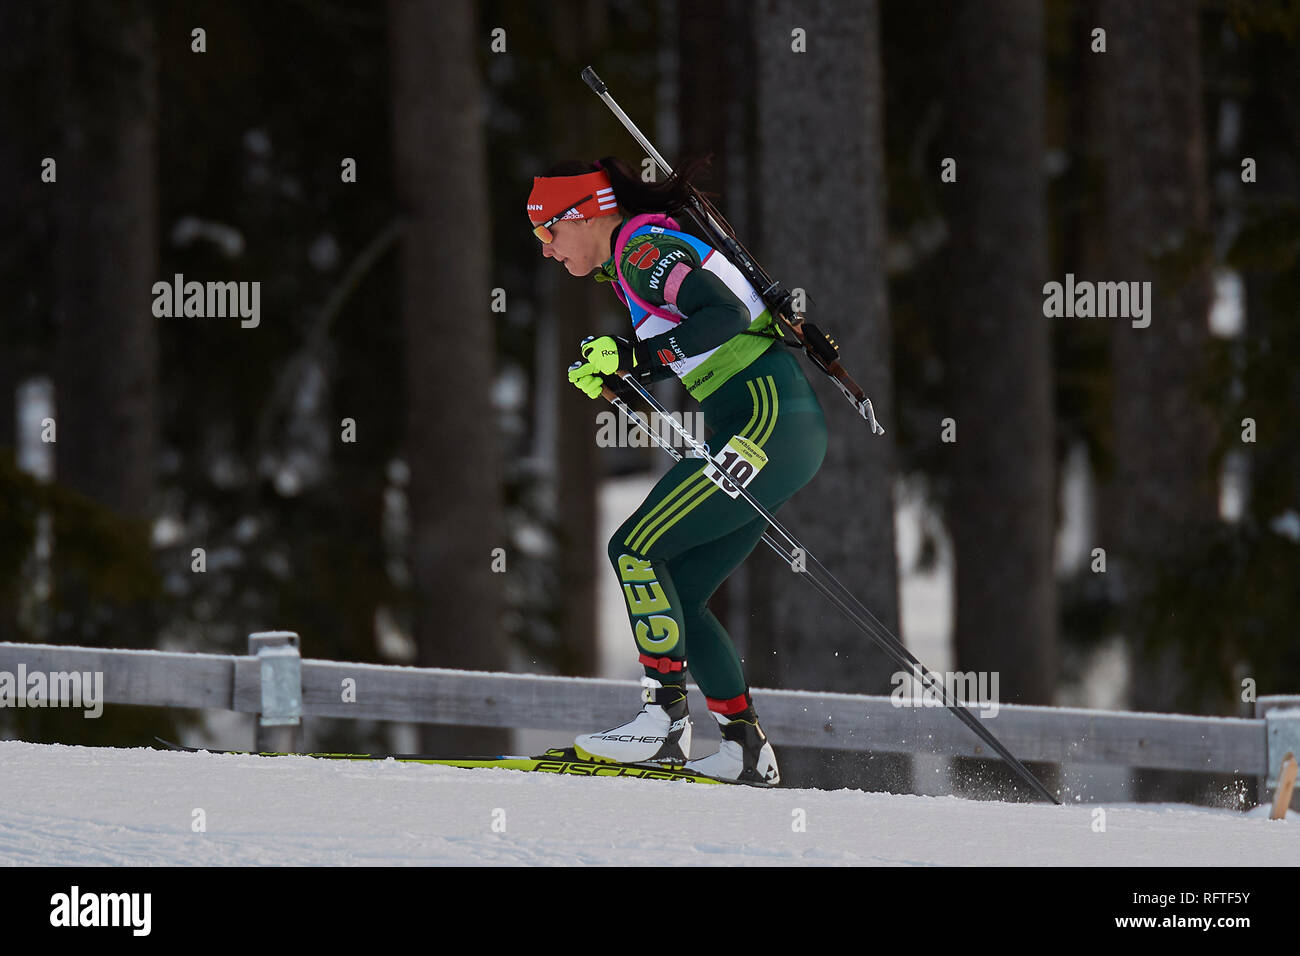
point(634, 195)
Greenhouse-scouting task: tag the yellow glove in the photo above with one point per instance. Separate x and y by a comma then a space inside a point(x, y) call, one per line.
point(586, 378)
point(605, 355)
point(610, 353)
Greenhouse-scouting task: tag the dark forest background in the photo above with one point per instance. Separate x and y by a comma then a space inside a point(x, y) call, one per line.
point(414, 302)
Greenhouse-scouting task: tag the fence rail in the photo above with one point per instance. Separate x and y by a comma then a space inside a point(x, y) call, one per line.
point(275, 682)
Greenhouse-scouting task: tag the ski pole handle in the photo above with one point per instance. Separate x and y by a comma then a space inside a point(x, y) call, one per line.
point(596, 83)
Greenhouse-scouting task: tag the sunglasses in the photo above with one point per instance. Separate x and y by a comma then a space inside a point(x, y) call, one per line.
point(543, 230)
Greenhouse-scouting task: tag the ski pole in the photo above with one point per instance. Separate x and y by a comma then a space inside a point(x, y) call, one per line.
point(819, 347)
point(831, 588)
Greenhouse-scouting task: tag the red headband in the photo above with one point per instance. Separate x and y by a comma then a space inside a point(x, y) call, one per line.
point(551, 192)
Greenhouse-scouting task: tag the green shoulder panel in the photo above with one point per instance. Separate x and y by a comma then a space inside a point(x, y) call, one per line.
point(648, 259)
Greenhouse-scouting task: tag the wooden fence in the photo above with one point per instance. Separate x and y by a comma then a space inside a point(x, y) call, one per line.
point(275, 682)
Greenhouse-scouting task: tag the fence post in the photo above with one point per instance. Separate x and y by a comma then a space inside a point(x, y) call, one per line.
point(279, 724)
point(1282, 729)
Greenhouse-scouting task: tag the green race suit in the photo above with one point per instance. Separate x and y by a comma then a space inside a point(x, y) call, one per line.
point(690, 534)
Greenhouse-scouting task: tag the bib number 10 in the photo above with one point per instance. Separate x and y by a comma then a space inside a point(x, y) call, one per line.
point(739, 462)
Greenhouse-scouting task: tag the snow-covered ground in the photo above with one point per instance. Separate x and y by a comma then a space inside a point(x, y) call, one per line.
point(85, 806)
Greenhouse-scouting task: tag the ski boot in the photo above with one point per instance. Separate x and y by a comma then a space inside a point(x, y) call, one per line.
point(660, 734)
point(746, 756)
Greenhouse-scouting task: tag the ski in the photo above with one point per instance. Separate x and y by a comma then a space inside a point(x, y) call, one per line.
point(556, 760)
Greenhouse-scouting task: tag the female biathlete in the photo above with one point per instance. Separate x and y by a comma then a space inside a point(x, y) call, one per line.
point(695, 317)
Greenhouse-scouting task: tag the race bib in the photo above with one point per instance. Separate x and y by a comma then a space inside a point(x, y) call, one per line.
point(738, 463)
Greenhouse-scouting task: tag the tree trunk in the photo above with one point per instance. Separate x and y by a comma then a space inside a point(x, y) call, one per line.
point(822, 210)
point(19, 77)
point(107, 254)
point(575, 314)
point(1001, 511)
point(445, 297)
point(1156, 205)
